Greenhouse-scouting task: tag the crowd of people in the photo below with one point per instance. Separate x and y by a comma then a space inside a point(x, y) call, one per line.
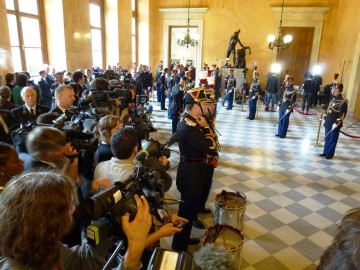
point(43, 175)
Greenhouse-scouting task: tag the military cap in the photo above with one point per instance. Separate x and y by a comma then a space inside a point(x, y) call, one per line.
point(340, 86)
point(210, 96)
point(195, 95)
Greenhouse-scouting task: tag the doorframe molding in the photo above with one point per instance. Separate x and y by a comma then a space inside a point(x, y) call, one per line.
point(178, 17)
point(302, 17)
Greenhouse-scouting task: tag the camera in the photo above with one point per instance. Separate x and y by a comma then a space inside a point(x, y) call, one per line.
point(125, 77)
point(141, 119)
point(149, 179)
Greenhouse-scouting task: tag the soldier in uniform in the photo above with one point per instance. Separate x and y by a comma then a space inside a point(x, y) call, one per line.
point(158, 82)
point(254, 92)
point(286, 107)
point(163, 89)
point(193, 133)
point(212, 158)
point(230, 84)
point(334, 121)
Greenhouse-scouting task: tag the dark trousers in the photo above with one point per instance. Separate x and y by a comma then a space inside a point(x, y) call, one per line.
point(207, 186)
point(169, 105)
point(188, 209)
point(162, 99)
point(307, 100)
point(283, 124)
point(252, 108)
point(158, 92)
point(175, 121)
point(331, 141)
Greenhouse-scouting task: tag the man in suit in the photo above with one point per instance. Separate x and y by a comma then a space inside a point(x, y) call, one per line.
point(65, 97)
point(45, 88)
point(30, 110)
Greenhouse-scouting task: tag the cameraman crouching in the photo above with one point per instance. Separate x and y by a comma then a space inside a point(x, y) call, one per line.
point(36, 211)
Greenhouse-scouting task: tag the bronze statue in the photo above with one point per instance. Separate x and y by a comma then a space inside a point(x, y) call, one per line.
point(232, 44)
point(239, 55)
point(240, 59)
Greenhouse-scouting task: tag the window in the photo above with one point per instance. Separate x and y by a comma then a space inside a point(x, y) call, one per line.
point(24, 20)
point(97, 34)
point(134, 30)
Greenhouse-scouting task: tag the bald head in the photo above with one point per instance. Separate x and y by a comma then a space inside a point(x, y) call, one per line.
point(28, 95)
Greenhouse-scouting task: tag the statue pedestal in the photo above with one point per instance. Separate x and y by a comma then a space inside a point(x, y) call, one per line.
point(239, 76)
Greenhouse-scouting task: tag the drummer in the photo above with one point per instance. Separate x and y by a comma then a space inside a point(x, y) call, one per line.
point(212, 159)
point(196, 142)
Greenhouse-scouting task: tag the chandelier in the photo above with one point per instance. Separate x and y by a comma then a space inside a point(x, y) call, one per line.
point(186, 39)
point(279, 42)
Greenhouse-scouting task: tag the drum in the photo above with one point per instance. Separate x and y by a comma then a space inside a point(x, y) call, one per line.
point(229, 237)
point(230, 209)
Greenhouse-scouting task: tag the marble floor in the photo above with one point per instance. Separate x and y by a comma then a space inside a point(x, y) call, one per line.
point(295, 199)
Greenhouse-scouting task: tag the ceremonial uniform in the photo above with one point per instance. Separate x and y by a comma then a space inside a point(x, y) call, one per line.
point(255, 90)
point(286, 108)
point(194, 146)
point(158, 83)
point(336, 113)
point(230, 84)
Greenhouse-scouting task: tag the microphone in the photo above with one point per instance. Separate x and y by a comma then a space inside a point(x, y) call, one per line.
point(142, 155)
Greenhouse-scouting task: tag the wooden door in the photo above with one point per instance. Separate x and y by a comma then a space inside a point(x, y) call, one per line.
point(296, 59)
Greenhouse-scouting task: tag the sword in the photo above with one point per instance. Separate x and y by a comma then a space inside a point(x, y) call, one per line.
point(327, 134)
point(287, 111)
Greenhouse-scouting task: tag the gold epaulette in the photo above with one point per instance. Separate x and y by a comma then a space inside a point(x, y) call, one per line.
point(189, 122)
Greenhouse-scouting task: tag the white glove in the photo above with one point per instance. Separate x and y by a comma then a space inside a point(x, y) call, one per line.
point(253, 97)
point(278, 108)
point(334, 126)
point(287, 111)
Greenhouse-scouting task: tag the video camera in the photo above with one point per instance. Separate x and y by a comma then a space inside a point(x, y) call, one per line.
point(141, 120)
point(107, 207)
point(125, 77)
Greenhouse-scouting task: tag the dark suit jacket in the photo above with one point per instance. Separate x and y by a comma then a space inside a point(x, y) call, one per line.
point(45, 88)
point(57, 110)
point(21, 114)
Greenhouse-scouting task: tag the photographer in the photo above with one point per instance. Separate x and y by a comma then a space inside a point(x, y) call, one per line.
point(122, 167)
point(48, 149)
point(65, 97)
point(36, 211)
point(124, 147)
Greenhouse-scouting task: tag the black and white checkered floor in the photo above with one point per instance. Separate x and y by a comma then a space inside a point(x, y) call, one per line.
point(295, 198)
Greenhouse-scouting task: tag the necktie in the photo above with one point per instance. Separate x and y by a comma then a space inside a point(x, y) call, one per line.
point(32, 112)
